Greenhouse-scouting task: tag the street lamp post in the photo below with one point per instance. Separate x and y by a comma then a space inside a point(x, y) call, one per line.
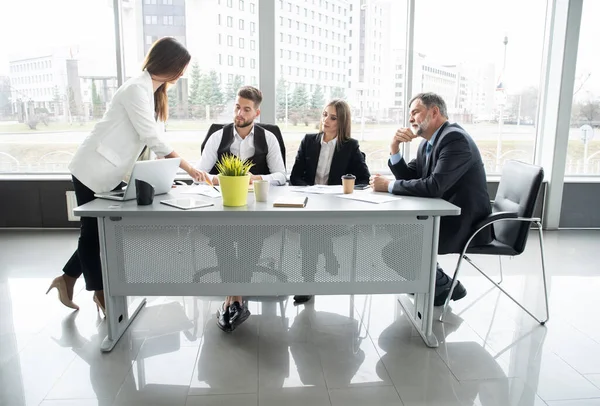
point(502, 102)
point(519, 111)
point(587, 133)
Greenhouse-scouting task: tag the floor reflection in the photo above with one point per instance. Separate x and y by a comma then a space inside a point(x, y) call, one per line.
point(348, 350)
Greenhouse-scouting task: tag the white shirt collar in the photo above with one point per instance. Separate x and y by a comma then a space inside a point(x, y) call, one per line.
point(236, 134)
point(323, 142)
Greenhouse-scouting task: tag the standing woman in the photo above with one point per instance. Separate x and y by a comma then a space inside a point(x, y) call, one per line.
point(323, 159)
point(108, 153)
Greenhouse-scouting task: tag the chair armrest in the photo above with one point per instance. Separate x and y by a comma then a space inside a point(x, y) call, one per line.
point(495, 217)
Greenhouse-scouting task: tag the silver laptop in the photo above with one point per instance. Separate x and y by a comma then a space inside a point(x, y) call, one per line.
point(159, 173)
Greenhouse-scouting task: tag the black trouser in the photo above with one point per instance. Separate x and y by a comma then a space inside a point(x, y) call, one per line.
point(86, 259)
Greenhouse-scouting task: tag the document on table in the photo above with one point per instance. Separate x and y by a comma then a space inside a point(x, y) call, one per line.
point(371, 197)
point(200, 189)
point(321, 189)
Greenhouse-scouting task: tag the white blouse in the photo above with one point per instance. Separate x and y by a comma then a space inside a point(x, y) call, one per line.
point(325, 158)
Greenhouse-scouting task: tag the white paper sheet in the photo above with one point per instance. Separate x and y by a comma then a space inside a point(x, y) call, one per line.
point(200, 189)
point(371, 197)
point(321, 189)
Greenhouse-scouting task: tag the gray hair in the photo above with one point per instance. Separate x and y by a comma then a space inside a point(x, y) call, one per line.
point(430, 99)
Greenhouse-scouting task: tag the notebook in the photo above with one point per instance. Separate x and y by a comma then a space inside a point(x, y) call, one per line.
point(290, 201)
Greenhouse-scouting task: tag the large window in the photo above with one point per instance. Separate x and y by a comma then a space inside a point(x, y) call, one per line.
point(485, 62)
point(583, 153)
point(53, 84)
point(349, 52)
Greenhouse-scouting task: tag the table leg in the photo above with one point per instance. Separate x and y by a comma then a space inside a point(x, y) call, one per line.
point(420, 312)
point(414, 311)
point(118, 319)
point(117, 312)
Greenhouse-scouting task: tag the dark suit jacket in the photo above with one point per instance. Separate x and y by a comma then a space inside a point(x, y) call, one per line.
point(455, 173)
point(346, 159)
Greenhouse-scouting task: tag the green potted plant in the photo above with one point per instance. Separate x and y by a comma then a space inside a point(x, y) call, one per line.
point(234, 178)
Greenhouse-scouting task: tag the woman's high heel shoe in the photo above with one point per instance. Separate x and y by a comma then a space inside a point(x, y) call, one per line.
point(61, 286)
point(99, 306)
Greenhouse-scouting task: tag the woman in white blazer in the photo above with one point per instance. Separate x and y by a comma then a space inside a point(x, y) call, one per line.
point(132, 122)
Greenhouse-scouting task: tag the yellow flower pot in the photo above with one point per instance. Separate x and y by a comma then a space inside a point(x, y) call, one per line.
point(234, 190)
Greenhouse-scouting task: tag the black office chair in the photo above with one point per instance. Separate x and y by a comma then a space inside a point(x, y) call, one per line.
point(511, 219)
point(269, 127)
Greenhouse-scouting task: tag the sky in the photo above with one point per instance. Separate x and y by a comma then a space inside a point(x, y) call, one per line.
point(38, 26)
point(474, 33)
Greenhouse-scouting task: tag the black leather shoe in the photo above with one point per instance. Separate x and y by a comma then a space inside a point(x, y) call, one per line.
point(300, 299)
point(238, 313)
point(223, 318)
point(440, 298)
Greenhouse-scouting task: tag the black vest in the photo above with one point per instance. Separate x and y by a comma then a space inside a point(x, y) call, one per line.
point(259, 159)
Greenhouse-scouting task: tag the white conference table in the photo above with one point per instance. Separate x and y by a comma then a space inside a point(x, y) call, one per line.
point(261, 250)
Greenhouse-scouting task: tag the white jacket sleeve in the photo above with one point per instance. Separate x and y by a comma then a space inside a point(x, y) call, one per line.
point(139, 107)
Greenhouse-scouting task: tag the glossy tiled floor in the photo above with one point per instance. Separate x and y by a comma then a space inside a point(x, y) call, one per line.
point(341, 350)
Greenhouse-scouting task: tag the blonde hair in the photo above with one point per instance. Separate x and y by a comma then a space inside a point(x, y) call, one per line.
point(167, 57)
point(344, 120)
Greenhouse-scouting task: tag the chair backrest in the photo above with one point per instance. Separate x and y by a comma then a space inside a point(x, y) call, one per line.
point(518, 190)
point(269, 127)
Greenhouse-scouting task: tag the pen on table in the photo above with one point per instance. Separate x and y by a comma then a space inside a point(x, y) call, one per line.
point(211, 184)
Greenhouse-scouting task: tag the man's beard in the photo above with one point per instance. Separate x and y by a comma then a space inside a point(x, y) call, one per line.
point(423, 125)
point(243, 123)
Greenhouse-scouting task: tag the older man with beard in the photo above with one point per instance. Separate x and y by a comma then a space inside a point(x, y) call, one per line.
point(448, 166)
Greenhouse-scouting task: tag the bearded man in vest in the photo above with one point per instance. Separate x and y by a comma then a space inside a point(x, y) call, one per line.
point(246, 140)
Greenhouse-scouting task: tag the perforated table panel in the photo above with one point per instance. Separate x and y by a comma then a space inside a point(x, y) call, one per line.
point(208, 255)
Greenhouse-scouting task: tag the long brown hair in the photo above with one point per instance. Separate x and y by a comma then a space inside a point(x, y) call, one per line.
point(344, 120)
point(167, 57)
